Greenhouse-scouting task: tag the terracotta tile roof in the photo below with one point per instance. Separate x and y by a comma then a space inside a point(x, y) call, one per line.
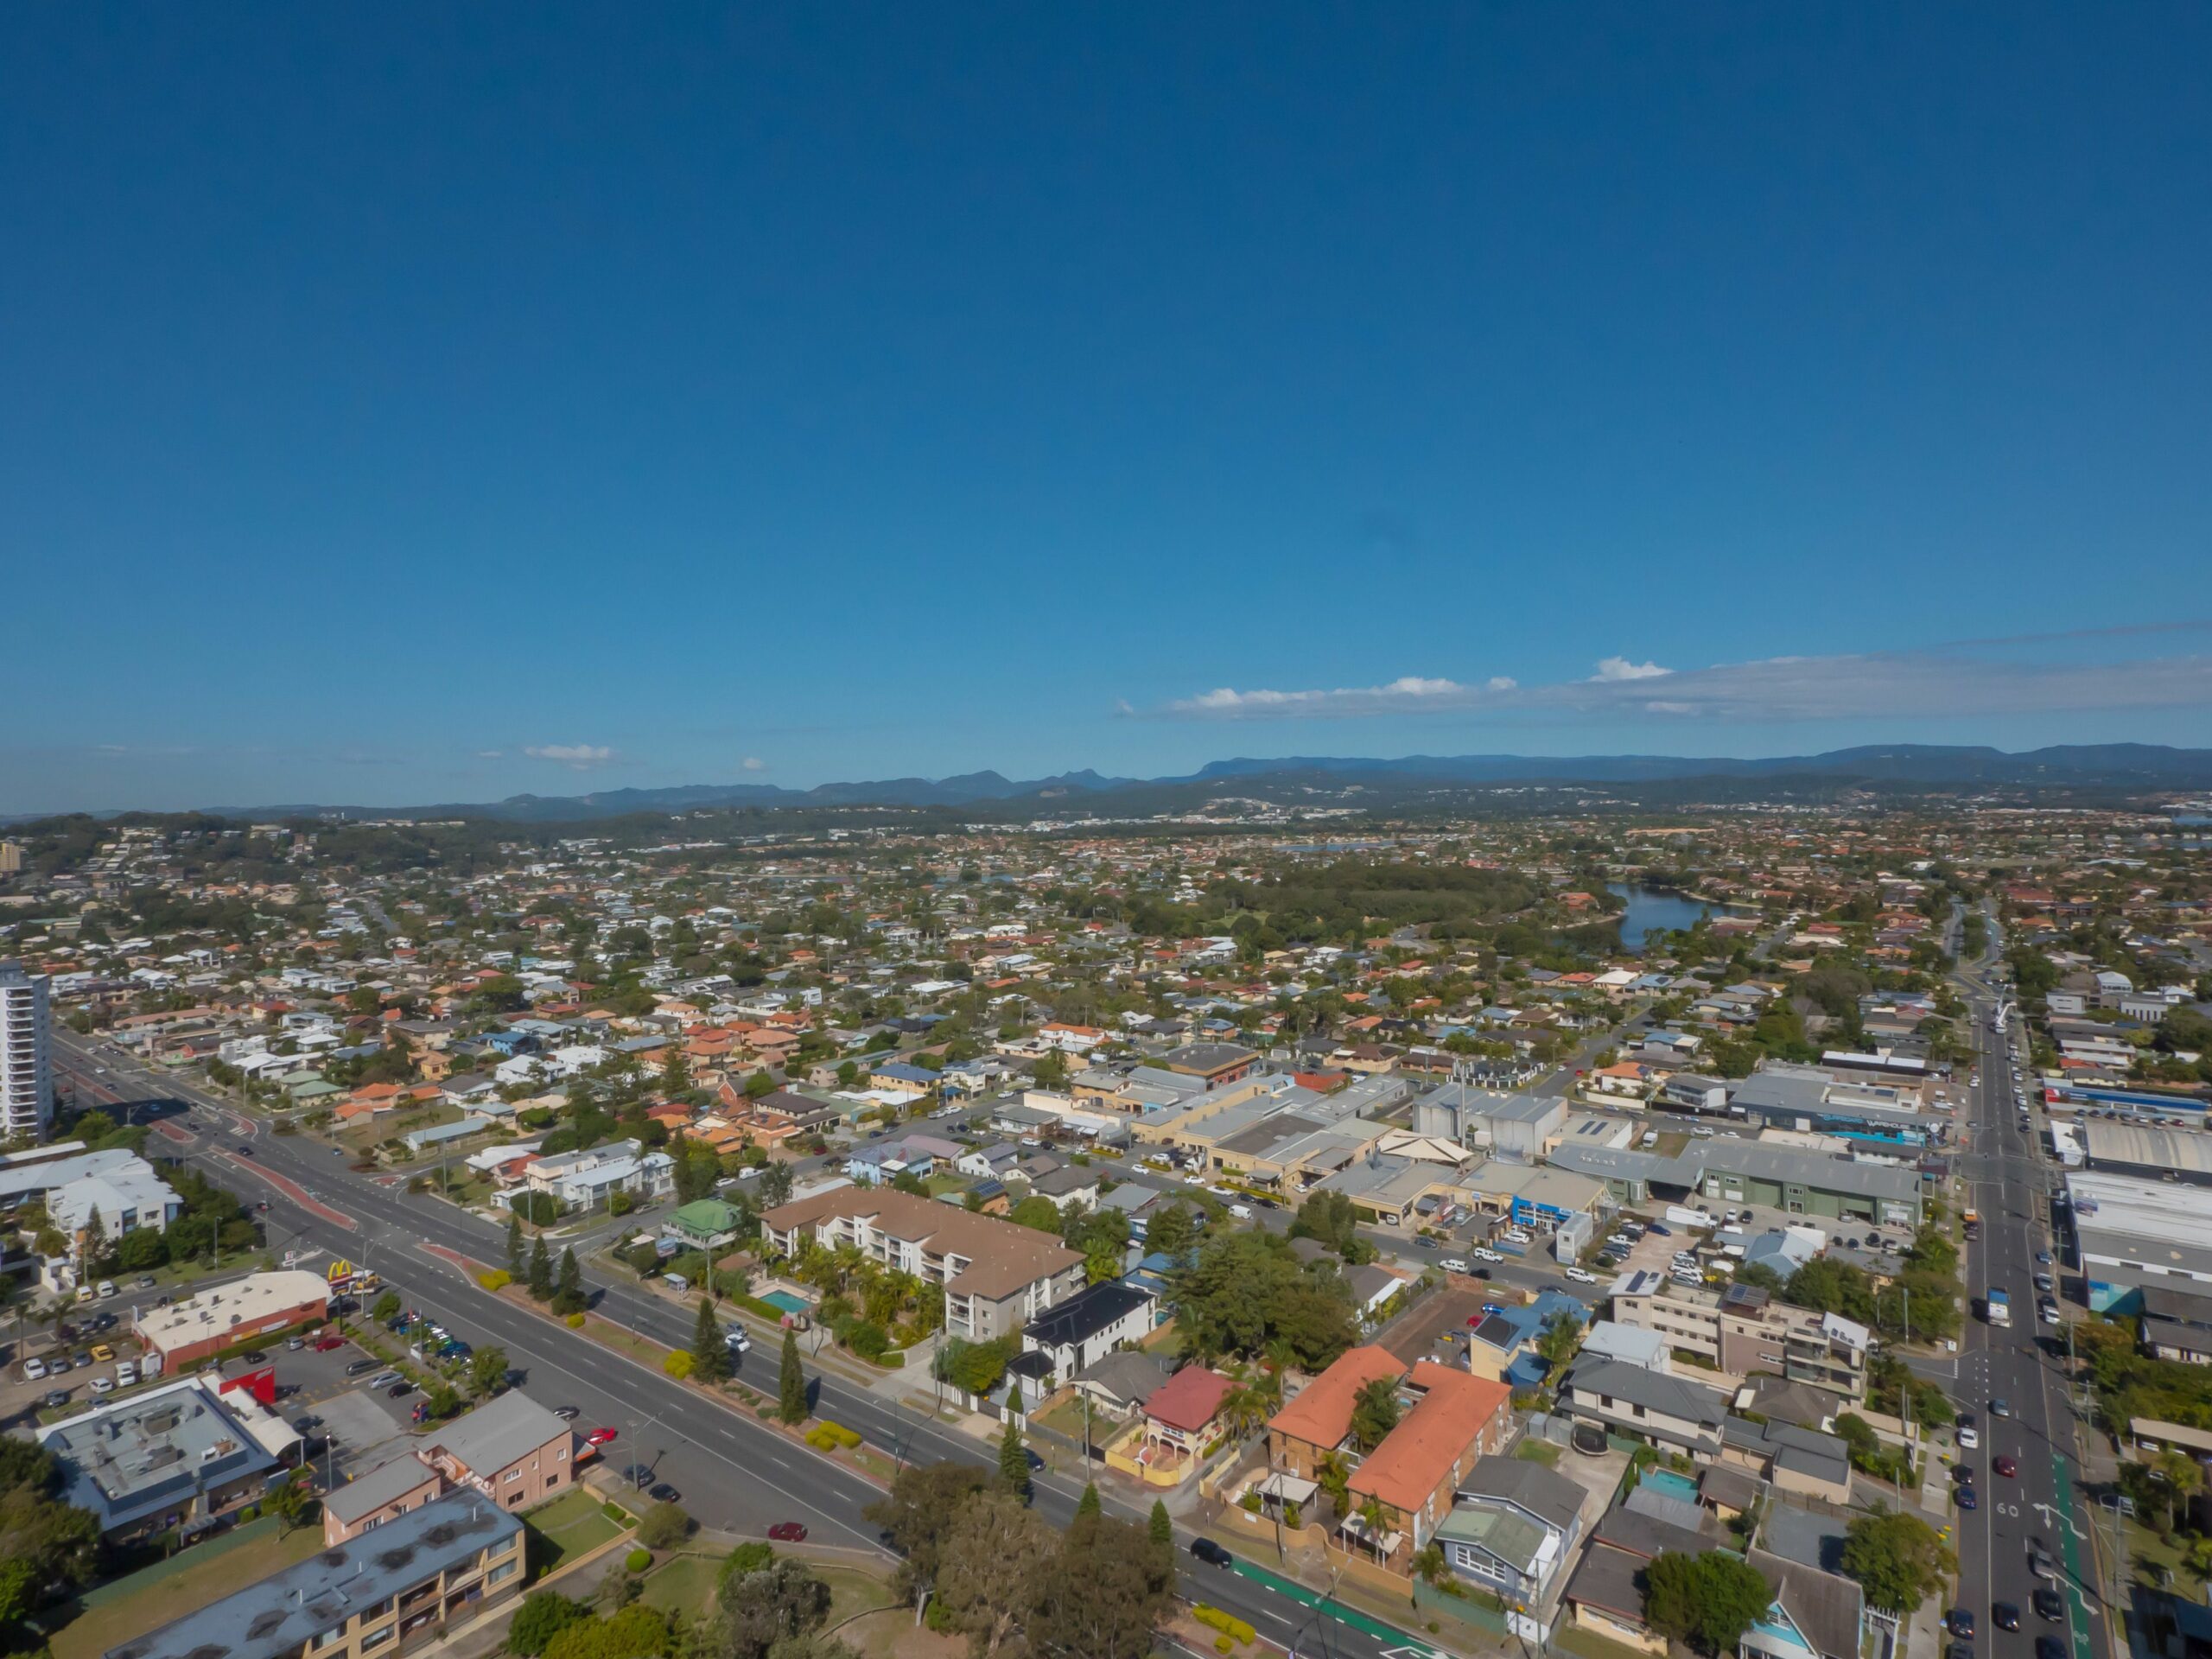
point(1454, 1409)
point(1321, 1413)
point(1188, 1399)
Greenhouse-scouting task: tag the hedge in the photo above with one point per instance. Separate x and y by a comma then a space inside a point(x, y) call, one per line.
point(767, 1311)
point(830, 1437)
point(497, 1279)
point(574, 1321)
point(615, 1513)
point(678, 1364)
point(891, 1359)
point(1228, 1624)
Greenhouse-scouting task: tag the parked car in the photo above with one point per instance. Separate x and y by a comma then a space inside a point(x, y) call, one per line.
point(103, 1386)
point(1452, 1264)
point(360, 1365)
point(126, 1374)
point(1211, 1552)
point(2004, 1615)
point(1970, 1437)
point(107, 1288)
point(102, 1353)
point(382, 1379)
point(1967, 1500)
point(327, 1345)
point(1582, 1275)
point(601, 1436)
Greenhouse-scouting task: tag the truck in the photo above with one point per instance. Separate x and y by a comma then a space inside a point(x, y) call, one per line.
point(2000, 1307)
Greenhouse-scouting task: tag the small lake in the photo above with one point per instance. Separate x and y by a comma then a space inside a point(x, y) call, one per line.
point(1650, 911)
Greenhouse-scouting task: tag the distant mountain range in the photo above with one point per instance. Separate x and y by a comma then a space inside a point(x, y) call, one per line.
point(2098, 765)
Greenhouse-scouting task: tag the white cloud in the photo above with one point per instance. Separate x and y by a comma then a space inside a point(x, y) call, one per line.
point(577, 757)
point(754, 763)
point(1411, 693)
point(490, 754)
point(1878, 686)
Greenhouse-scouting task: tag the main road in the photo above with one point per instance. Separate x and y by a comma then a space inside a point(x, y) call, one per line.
point(2040, 1510)
point(733, 1471)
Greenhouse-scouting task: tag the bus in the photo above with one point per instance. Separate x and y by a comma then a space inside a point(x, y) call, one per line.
point(2000, 1308)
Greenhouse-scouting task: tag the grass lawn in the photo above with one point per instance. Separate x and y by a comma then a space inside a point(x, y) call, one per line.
point(565, 1529)
point(854, 1591)
point(2147, 1553)
point(1067, 1418)
point(146, 1599)
point(683, 1586)
point(1541, 1452)
point(941, 1184)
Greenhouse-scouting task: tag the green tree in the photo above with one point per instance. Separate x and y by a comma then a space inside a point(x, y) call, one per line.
point(386, 1308)
point(487, 1372)
point(1160, 1527)
point(761, 1611)
point(709, 1348)
point(543, 1616)
point(1373, 1413)
point(289, 1502)
point(636, 1632)
point(918, 1514)
point(1708, 1600)
point(1897, 1559)
point(791, 1382)
point(568, 1293)
point(541, 1269)
point(516, 1259)
point(1014, 1460)
point(664, 1526)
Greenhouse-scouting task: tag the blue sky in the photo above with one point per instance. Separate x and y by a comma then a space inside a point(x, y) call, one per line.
point(842, 391)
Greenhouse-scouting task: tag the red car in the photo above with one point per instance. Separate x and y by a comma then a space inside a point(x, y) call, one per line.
point(788, 1531)
point(323, 1345)
point(600, 1436)
point(2004, 1467)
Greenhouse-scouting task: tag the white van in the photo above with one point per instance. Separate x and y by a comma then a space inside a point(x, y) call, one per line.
point(1241, 1212)
point(676, 1282)
point(1651, 1138)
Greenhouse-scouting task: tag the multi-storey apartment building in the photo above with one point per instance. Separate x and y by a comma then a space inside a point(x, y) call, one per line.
point(1743, 1329)
point(26, 1056)
point(997, 1276)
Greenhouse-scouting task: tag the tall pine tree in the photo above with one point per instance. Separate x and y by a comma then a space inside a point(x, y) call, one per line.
point(569, 1297)
point(1160, 1529)
point(541, 1269)
point(516, 1263)
point(790, 1384)
point(709, 1348)
point(1014, 1460)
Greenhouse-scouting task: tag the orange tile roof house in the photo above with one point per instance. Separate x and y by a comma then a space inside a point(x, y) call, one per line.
point(997, 1276)
point(1449, 1418)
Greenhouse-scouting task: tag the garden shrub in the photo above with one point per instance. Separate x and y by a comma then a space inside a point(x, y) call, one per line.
point(498, 1279)
point(638, 1560)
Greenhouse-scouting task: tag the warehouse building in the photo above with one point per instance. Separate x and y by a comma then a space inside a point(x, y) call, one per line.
point(2131, 1235)
point(2122, 1148)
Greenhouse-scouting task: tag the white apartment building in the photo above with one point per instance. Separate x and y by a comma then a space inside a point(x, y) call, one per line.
point(26, 1056)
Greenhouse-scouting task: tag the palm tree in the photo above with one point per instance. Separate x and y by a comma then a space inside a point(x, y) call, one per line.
point(1374, 1517)
point(1333, 1475)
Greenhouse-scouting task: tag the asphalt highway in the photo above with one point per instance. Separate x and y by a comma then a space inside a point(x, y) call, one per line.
point(731, 1471)
point(2041, 1506)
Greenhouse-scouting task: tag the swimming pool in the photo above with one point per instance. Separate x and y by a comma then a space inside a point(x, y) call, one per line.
point(785, 1300)
point(1668, 1484)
